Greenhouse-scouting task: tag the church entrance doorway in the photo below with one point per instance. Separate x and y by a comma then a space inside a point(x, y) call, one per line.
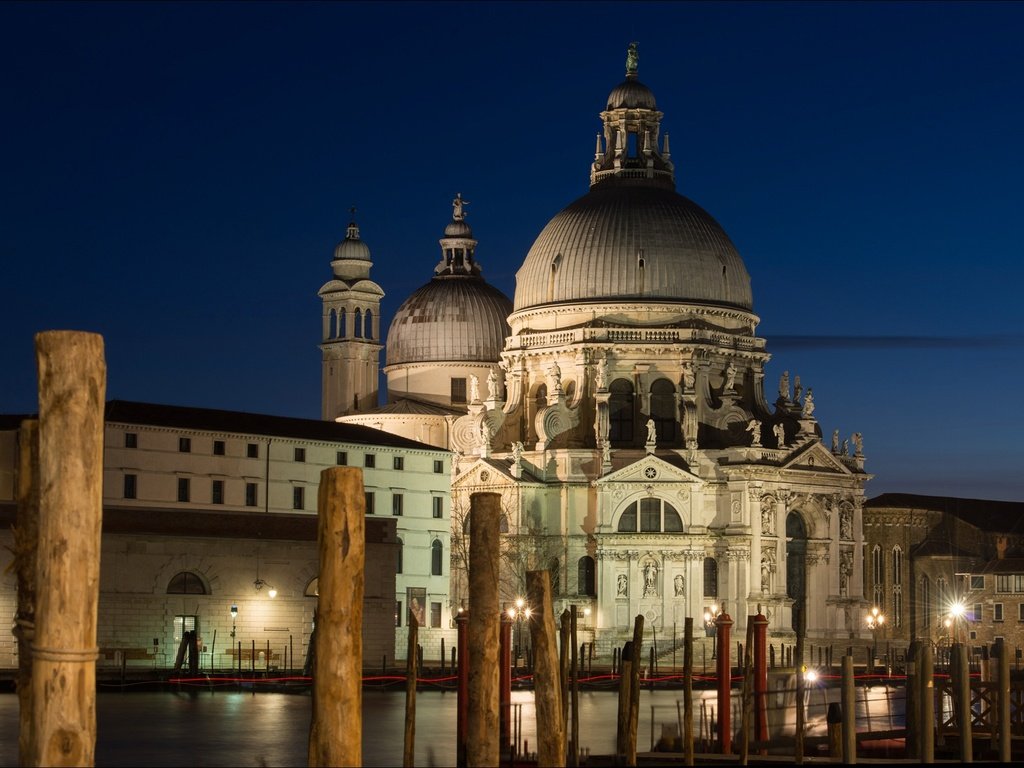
point(796, 564)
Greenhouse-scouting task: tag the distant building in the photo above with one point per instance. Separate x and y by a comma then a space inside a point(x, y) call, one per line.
point(207, 509)
point(619, 407)
point(945, 569)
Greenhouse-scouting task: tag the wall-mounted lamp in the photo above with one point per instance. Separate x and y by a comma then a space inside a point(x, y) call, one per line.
point(234, 615)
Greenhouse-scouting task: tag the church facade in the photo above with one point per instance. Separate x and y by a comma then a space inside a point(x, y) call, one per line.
point(619, 407)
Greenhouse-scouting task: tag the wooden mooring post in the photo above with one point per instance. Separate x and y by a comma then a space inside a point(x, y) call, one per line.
point(547, 678)
point(926, 703)
point(482, 726)
point(723, 626)
point(1003, 700)
point(336, 728)
point(849, 700)
point(411, 659)
point(688, 691)
point(962, 701)
point(26, 543)
point(72, 387)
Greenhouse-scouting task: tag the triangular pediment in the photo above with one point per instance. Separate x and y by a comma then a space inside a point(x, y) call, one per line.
point(492, 474)
point(647, 471)
point(814, 457)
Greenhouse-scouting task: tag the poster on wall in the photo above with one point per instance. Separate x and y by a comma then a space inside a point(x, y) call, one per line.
point(416, 598)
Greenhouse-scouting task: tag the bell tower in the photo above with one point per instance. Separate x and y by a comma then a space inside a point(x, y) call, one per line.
point(350, 339)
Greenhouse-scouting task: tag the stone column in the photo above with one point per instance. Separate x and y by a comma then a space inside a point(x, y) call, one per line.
point(72, 387)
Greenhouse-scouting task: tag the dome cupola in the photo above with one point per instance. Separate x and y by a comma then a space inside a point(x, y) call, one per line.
point(351, 256)
point(632, 237)
point(457, 316)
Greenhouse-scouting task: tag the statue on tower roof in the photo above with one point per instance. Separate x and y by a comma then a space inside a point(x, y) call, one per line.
point(457, 204)
point(632, 59)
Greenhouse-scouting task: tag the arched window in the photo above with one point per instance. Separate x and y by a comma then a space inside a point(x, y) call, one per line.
point(710, 577)
point(341, 324)
point(357, 329)
point(436, 553)
point(620, 412)
point(663, 410)
point(401, 556)
point(332, 328)
point(186, 583)
point(313, 587)
point(655, 516)
point(926, 604)
point(368, 325)
point(585, 577)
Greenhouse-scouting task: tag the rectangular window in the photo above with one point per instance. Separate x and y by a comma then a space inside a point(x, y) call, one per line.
point(396, 504)
point(184, 445)
point(370, 460)
point(131, 440)
point(438, 467)
point(129, 486)
point(369, 503)
point(250, 494)
point(438, 503)
point(1018, 582)
point(977, 582)
point(976, 614)
point(398, 613)
point(1003, 582)
point(1020, 611)
point(300, 454)
point(398, 462)
point(435, 615)
point(342, 459)
point(298, 497)
point(218, 492)
point(183, 624)
point(997, 612)
point(183, 489)
point(252, 451)
point(218, 447)
point(458, 390)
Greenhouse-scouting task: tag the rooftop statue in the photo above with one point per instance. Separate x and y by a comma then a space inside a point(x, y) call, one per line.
point(632, 59)
point(457, 204)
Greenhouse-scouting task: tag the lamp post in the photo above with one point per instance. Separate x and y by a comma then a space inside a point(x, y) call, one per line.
point(517, 612)
point(874, 620)
point(234, 615)
point(710, 617)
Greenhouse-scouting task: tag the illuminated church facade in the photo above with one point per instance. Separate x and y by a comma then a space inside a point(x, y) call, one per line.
point(618, 405)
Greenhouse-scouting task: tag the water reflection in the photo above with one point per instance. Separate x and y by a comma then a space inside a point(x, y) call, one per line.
point(272, 729)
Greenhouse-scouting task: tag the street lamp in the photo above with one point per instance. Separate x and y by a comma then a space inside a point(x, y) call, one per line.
point(874, 620)
point(517, 612)
point(710, 617)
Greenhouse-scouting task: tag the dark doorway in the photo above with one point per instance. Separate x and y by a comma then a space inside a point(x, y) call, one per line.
point(796, 563)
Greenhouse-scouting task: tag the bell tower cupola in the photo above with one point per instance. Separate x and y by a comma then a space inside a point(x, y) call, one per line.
point(631, 147)
point(350, 336)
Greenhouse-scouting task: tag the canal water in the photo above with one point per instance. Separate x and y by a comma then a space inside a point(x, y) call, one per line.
point(229, 728)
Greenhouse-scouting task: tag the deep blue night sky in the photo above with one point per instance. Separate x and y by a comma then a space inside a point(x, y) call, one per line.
point(175, 177)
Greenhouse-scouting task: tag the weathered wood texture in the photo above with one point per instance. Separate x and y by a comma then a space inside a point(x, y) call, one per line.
point(547, 677)
point(72, 387)
point(26, 542)
point(411, 671)
point(483, 737)
point(688, 691)
point(336, 729)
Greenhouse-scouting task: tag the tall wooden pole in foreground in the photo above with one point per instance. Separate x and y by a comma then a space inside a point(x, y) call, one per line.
point(411, 657)
point(547, 683)
point(72, 387)
point(483, 746)
point(26, 542)
point(336, 729)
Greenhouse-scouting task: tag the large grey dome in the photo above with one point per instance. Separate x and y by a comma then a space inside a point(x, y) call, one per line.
point(630, 240)
point(452, 318)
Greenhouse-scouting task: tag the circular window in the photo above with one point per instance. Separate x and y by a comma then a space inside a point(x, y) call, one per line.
point(650, 473)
